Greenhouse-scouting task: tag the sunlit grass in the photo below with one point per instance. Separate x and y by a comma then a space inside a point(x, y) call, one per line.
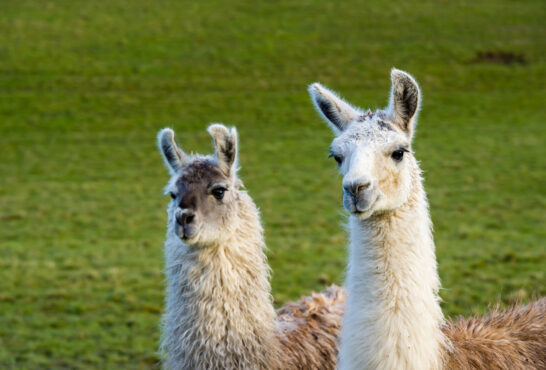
point(85, 86)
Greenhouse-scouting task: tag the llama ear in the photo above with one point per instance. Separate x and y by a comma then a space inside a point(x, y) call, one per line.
point(334, 110)
point(404, 101)
point(225, 144)
point(172, 154)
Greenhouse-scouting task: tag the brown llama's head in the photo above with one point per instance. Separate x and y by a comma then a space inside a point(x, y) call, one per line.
point(373, 149)
point(204, 189)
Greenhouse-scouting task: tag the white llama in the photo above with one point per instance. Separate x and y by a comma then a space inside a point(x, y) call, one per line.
point(393, 318)
point(219, 312)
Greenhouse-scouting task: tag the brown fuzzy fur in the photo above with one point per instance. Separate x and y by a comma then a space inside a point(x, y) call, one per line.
point(310, 330)
point(512, 339)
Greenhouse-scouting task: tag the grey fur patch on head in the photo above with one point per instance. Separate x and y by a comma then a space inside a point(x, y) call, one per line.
point(384, 125)
point(194, 183)
point(376, 118)
point(200, 171)
point(225, 143)
point(368, 115)
point(375, 130)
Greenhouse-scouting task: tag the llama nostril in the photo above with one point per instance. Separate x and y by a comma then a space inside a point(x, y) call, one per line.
point(362, 187)
point(355, 188)
point(185, 218)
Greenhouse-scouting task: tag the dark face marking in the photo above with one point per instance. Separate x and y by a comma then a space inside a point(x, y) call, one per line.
point(198, 207)
point(194, 185)
point(380, 114)
point(204, 189)
point(365, 116)
point(199, 170)
point(384, 125)
point(357, 136)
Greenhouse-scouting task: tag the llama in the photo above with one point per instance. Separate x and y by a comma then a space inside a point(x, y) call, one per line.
point(393, 318)
point(219, 312)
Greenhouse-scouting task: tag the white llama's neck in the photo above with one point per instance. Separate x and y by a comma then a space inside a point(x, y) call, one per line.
point(219, 312)
point(393, 318)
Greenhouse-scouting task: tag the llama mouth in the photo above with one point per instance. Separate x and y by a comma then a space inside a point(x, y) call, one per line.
point(360, 204)
point(187, 236)
point(364, 213)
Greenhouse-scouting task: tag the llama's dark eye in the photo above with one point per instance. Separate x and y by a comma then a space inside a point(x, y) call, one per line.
point(218, 193)
point(173, 195)
point(398, 154)
point(337, 158)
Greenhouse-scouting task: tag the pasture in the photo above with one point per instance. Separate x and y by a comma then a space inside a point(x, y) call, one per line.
point(85, 86)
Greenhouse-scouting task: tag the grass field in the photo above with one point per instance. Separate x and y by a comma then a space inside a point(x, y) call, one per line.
point(85, 86)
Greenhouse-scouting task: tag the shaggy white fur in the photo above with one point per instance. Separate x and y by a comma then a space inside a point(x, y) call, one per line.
point(393, 318)
point(219, 312)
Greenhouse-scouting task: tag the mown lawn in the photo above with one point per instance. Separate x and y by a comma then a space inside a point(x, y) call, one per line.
point(85, 86)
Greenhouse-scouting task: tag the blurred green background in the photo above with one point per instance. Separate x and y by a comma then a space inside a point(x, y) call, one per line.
point(85, 86)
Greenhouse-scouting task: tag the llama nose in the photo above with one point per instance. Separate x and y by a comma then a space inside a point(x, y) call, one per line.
point(185, 218)
point(354, 188)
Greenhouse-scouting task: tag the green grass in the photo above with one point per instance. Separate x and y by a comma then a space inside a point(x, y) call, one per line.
point(85, 86)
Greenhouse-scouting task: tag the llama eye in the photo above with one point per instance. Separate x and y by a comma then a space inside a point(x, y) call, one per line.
point(218, 193)
point(397, 155)
point(173, 195)
point(337, 158)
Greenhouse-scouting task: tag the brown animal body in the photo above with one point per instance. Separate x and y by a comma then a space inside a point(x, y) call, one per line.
point(309, 329)
point(513, 339)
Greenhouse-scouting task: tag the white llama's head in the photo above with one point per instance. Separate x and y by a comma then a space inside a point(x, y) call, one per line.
point(204, 189)
point(373, 149)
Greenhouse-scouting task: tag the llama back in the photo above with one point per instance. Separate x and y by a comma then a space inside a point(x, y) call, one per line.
point(510, 339)
point(309, 329)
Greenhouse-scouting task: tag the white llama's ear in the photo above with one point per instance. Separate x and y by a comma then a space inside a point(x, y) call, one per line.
point(404, 101)
point(334, 110)
point(225, 144)
point(172, 154)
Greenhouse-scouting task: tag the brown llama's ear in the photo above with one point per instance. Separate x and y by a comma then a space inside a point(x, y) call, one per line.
point(404, 101)
point(225, 144)
point(173, 155)
point(334, 110)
